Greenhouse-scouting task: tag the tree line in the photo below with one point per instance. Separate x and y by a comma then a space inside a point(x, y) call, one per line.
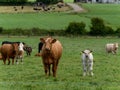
point(17, 2)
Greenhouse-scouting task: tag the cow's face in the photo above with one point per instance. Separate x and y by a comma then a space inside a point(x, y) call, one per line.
point(86, 52)
point(15, 45)
point(48, 43)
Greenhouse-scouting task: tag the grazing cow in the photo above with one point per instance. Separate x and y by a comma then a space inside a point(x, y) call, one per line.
point(28, 50)
point(9, 51)
point(112, 48)
point(20, 53)
point(87, 61)
point(51, 53)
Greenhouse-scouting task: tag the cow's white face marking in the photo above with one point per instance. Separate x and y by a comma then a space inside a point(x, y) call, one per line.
point(20, 47)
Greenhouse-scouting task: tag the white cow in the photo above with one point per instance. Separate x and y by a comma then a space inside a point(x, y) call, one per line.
point(87, 61)
point(111, 48)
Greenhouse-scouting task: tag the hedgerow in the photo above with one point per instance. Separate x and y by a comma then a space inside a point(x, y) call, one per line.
point(97, 28)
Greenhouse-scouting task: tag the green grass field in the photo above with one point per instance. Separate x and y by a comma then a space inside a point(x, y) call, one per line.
point(41, 20)
point(30, 75)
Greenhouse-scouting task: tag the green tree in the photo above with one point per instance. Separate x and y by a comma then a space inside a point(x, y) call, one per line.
point(76, 28)
point(13, 1)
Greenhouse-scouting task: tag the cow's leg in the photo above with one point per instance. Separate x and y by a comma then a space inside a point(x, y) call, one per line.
point(91, 67)
point(84, 67)
point(46, 69)
point(49, 70)
point(54, 69)
point(115, 52)
point(4, 61)
point(8, 61)
point(21, 60)
point(17, 61)
point(12, 61)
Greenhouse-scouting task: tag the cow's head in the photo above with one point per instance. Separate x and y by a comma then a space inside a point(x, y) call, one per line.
point(86, 52)
point(47, 42)
point(15, 47)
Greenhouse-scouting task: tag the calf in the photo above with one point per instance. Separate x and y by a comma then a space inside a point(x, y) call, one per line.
point(112, 48)
point(28, 50)
point(87, 61)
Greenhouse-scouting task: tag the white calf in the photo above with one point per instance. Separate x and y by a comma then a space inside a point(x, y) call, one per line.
point(87, 61)
point(111, 48)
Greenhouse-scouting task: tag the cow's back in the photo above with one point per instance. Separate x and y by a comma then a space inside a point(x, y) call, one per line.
point(56, 50)
point(109, 47)
point(6, 49)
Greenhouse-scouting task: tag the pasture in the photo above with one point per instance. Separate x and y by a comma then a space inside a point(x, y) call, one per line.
point(30, 75)
point(60, 20)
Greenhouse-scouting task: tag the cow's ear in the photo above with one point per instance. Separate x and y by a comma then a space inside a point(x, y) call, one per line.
point(42, 40)
point(82, 51)
point(91, 51)
point(54, 40)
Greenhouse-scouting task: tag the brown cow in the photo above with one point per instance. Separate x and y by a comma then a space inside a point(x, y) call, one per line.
point(9, 51)
point(51, 53)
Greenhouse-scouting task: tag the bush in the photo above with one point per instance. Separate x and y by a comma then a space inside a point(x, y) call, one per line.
point(98, 27)
point(109, 30)
point(76, 28)
point(117, 32)
point(31, 32)
point(1, 29)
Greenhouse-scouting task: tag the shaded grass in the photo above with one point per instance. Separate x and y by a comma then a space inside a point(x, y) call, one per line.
point(30, 75)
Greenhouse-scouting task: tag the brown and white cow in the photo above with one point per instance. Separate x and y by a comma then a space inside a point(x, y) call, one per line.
point(51, 53)
point(20, 53)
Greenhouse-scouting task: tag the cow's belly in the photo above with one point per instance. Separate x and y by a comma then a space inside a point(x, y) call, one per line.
point(48, 61)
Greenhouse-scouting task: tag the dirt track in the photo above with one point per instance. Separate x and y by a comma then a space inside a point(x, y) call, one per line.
point(76, 8)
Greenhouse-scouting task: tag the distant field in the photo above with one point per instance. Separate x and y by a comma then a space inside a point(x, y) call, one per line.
point(30, 75)
point(60, 20)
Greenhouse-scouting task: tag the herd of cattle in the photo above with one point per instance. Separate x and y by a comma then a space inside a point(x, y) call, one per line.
point(51, 53)
point(13, 50)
